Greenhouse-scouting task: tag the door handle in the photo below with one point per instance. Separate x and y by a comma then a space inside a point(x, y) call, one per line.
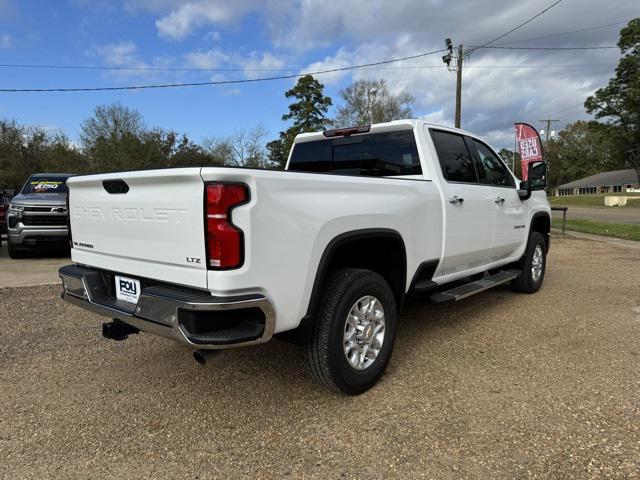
point(456, 200)
point(499, 200)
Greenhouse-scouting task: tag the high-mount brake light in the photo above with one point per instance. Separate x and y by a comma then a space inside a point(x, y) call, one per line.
point(224, 241)
point(345, 132)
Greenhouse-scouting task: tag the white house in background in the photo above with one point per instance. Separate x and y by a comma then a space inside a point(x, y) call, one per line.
point(616, 181)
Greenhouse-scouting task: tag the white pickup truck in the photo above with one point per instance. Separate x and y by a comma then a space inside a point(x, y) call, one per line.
point(323, 253)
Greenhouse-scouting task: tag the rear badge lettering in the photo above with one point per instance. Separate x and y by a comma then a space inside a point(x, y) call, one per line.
point(131, 214)
point(193, 260)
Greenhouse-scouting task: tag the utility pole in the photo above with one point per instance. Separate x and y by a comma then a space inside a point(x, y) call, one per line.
point(458, 69)
point(547, 130)
point(459, 85)
point(547, 136)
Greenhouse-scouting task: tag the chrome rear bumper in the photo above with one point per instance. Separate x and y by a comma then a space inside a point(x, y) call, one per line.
point(188, 316)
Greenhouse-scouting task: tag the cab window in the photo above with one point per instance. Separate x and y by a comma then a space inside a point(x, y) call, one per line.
point(491, 170)
point(454, 157)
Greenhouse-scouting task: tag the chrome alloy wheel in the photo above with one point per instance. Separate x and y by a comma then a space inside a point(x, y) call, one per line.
point(364, 331)
point(537, 263)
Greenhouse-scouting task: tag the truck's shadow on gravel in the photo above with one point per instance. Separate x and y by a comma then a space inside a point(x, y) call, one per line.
point(277, 368)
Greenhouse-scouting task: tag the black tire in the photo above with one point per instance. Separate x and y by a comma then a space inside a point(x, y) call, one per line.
point(324, 355)
point(526, 283)
point(14, 252)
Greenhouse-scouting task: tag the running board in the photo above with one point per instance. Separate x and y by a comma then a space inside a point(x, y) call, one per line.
point(468, 289)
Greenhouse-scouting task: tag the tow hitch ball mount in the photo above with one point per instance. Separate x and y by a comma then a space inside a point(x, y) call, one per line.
point(117, 330)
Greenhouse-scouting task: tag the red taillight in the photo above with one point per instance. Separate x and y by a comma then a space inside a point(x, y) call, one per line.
point(224, 240)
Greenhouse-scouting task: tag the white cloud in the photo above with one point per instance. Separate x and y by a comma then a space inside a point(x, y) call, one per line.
point(493, 97)
point(6, 41)
point(180, 19)
point(180, 22)
point(341, 59)
point(358, 32)
point(437, 116)
point(120, 54)
point(212, 36)
point(206, 59)
point(125, 55)
point(257, 62)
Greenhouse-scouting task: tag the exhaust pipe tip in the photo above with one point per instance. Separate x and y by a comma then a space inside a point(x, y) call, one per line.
point(203, 356)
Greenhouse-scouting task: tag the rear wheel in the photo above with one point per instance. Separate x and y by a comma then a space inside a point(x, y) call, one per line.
point(354, 332)
point(533, 265)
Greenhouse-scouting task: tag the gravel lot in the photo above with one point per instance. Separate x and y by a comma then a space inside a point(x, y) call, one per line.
point(500, 385)
point(35, 270)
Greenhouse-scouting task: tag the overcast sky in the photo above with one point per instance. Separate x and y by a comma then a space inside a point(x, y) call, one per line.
point(263, 38)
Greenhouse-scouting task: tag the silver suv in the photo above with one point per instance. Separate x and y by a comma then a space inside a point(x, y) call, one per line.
point(38, 216)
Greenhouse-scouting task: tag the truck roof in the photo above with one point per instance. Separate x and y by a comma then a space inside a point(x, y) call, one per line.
point(404, 124)
point(54, 174)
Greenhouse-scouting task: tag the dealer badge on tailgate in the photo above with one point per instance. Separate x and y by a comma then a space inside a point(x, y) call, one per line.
point(127, 289)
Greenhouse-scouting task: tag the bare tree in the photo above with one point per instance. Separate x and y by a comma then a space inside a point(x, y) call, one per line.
point(111, 122)
point(243, 148)
point(370, 101)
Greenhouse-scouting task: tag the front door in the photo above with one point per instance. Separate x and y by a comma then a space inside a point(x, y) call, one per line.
point(509, 211)
point(469, 207)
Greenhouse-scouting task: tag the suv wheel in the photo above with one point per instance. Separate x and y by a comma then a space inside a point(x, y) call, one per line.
point(14, 252)
point(533, 265)
point(354, 332)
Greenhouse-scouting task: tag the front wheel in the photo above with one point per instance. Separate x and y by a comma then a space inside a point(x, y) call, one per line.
point(354, 332)
point(14, 252)
point(533, 265)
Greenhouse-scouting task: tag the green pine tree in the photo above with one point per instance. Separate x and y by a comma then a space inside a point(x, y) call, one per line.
point(308, 114)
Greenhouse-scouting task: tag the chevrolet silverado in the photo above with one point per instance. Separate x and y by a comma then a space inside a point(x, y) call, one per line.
point(323, 254)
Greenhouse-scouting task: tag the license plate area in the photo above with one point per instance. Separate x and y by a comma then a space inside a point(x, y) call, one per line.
point(127, 289)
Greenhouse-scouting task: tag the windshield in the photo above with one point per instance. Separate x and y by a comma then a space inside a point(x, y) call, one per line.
point(46, 184)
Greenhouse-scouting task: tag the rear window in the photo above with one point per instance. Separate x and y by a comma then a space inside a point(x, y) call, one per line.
point(372, 155)
point(46, 184)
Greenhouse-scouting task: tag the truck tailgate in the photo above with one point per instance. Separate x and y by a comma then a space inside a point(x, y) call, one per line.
point(145, 224)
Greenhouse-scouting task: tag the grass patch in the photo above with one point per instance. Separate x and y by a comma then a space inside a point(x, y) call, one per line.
point(591, 200)
point(617, 230)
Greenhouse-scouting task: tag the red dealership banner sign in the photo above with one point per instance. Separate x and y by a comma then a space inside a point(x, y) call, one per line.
point(529, 145)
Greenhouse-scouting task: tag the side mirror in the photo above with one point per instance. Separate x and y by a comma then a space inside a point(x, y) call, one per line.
point(537, 177)
point(524, 192)
point(536, 180)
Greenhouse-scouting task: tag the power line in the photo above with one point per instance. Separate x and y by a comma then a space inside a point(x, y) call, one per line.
point(602, 65)
point(535, 66)
point(565, 109)
point(143, 69)
point(292, 67)
point(563, 33)
point(519, 26)
point(219, 82)
point(582, 110)
point(498, 47)
point(88, 67)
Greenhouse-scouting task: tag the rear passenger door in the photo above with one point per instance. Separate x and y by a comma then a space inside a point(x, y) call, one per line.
point(469, 207)
point(508, 210)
